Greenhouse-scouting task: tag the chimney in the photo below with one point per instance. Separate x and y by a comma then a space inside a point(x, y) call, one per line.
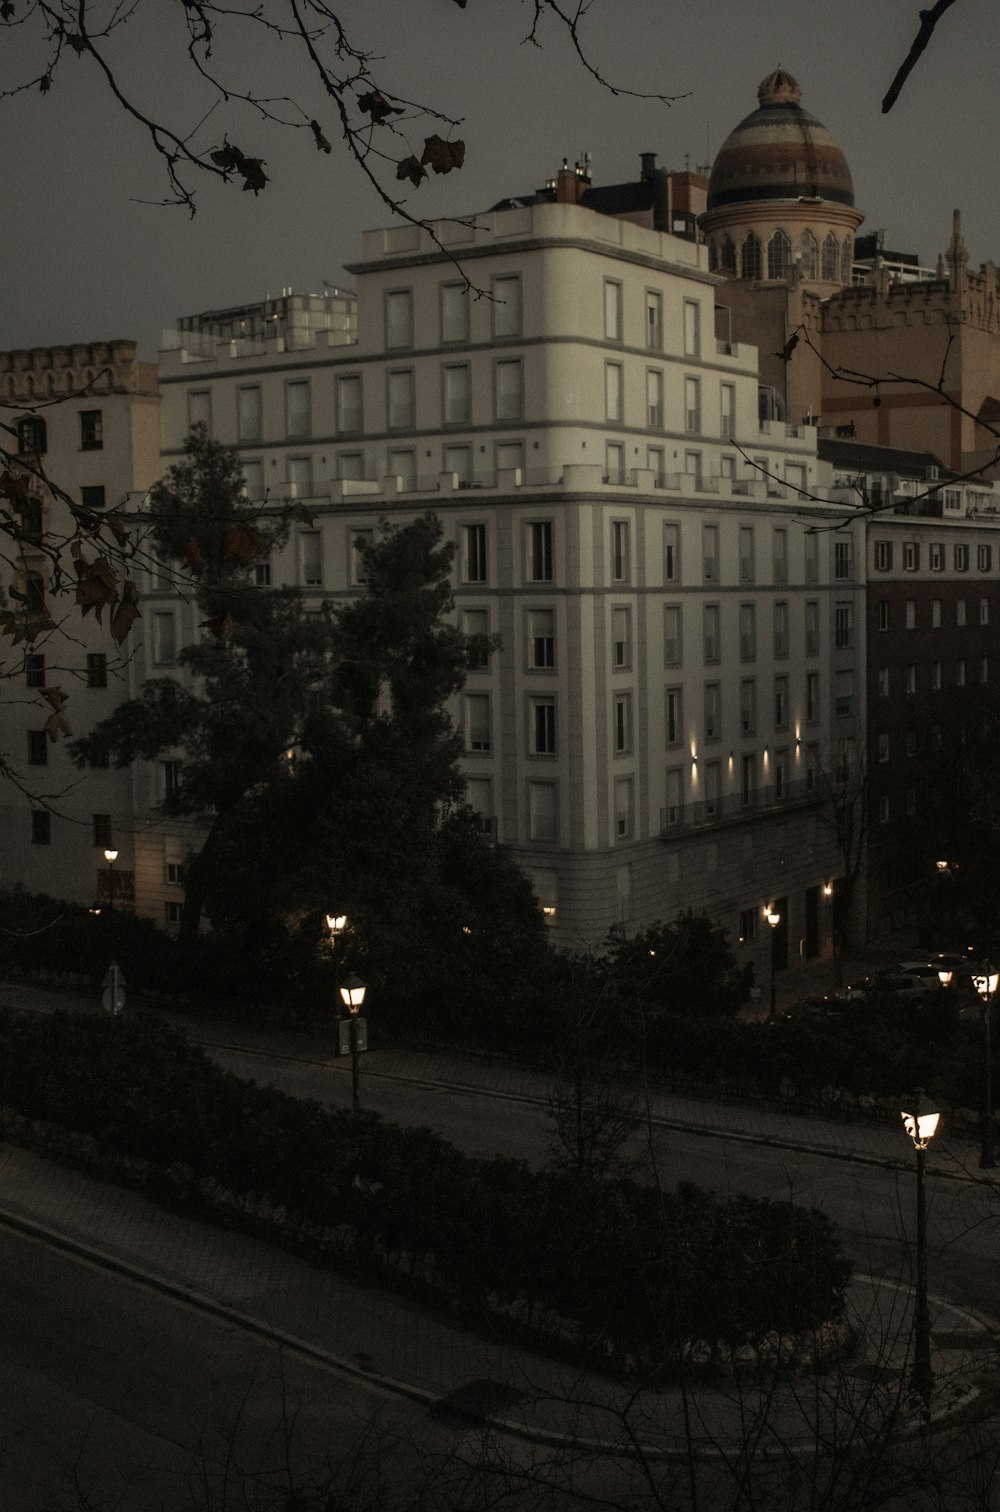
point(648, 161)
point(566, 185)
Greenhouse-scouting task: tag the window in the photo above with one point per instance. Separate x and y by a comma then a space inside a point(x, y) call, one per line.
point(748, 632)
point(751, 261)
point(249, 413)
point(92, 496)
point(543, 811)
point(300, 477)
point(780, 628)
point(812, 627)
point(780, 774)
point(97, 669)
point(984, 558)
point(748, 925)
point(812, 697)
point(654, 321)
point(253, 479)
point(711, 799)
point(509, 380)
point(960, 611)
point(671, 553)
point(510, 456)
point(747, 564)
point(622, 723)
point(692, 405)
point(656, 462)
point(984, 611)
point(843, 694)
point(200, 409)
point(476, 626)
point(883, 809)
point(361, 543)
point(960, 672)
point(953, 498)
point(781, 702)
point(713, 711)
point(542, 639)
point(398, 319)
point(100, 831)
point(673, 713)
point(621, 637)
point(311, 558)
point(843, 565)
point(911, 678)
point(458, 460)
point(403, 465)
point(748, 779)
point(809, 255)
point(542, 722)
point(454, 313)
point(477, 722)
point(457, 395)
point(174, 874)
point(654, 399)
point(748, 705)
point(38, 748)
point(171, 913)
point(692, 467)
point(262, 574)
point(540, 551)
point(843, 626)
point(349, 405)
point(623, 808)
point(984, 669)
point(961, 558)
point(41, 827)
point(479, 796)
point(882, 682)
point(936, 676)
point(779, 255)
point(830, 257)
point(614, 463)
point(692, 328)
point(710, 552)
point(711, 642)
point(620, 556)
point(402, 400)
point(935, 615)
point(507, 305)
point(811, 548)
point(612, 310)
point(910, 614)
point(613, 391)
point(672, 647)
point(727, 411)
point(298, 408)
point(34, 670)
point(937, 556)
point(164, 641)
point(780, 541)
point(911, 556)
point(91, 430)
point(883, 747)
point(474, 561)
point(674, 792)
point(31, 437)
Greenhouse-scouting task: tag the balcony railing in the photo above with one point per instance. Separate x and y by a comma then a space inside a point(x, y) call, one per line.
point(731, 807)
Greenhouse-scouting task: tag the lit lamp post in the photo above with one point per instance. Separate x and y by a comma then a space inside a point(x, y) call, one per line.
point(774, 919)
point(920, 1121)
point(353, 996)
point(111, 856)
point(986, 985)
point(336, 924)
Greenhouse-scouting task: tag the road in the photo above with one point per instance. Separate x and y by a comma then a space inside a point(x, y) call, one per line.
point(872, 1206)
point(116, 1396)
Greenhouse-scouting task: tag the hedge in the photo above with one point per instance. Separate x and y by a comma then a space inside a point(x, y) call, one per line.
point(620, 1275)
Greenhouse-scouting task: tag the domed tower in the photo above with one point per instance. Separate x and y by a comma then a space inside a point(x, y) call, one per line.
point(780, 195)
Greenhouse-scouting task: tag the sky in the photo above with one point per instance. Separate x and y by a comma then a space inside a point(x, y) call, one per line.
point(90, 253)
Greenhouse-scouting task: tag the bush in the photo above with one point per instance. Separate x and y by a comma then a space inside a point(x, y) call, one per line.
point(626, 1272)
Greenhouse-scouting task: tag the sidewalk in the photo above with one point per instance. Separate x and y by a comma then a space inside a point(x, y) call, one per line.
point(401, 1347)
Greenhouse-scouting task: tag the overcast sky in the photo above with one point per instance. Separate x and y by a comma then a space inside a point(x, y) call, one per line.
point(86, 259)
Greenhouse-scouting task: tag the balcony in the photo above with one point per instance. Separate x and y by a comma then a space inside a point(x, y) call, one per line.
point(732, 808)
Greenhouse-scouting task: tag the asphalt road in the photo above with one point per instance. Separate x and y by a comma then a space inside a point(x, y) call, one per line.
point(115, 1396)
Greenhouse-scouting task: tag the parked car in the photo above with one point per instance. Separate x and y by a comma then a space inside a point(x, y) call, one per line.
point(818, 1006)
point(897, 987)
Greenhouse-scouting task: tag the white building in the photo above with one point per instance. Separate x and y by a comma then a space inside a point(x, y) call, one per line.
point(680, 622)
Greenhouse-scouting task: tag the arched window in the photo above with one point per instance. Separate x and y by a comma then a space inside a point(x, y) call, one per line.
point(713, 257)
point(809, 252)
point(729, 254)
point(847, 262)
point(31, 437)
point(830, 257)
point(751, 260)
point(779, 255)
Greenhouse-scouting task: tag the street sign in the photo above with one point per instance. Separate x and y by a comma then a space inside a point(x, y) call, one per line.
point(344, 1028)
point(113, 995)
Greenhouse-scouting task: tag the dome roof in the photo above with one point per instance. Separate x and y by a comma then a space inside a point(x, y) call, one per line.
point(779, 152)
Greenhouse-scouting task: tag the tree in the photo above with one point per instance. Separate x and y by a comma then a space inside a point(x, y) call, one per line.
point(683, 967)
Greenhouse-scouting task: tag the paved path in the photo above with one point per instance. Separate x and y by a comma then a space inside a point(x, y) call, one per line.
point(360, 1328)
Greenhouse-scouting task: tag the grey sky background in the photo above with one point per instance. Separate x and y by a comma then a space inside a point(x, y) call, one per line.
point(86, 259)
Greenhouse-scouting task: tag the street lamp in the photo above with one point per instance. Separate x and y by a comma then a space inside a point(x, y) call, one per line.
point(111, 856)
point(353, 996)
point(986, 985)
point(920, 1121)
point(774, 919)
